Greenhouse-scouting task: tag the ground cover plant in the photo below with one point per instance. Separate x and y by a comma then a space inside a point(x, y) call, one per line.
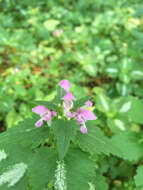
point(96, 46)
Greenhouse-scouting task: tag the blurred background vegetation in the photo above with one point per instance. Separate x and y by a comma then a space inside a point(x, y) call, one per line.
point(96, 44)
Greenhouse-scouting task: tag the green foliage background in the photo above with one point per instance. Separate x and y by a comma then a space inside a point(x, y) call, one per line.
point(98, 46)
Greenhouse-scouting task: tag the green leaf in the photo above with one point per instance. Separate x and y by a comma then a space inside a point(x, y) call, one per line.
point(130, 146)
point(139, 177)
point(125, 78)
point(100, 182)
point(135, 113)
point(81, 102)
point(125, 65)
point(49, 105)
point(137, 74)
point(90, 69)
point(119, 123)
point(51, 24)
point(78, 91)
point(43, 166)
point(89, 65)
point(11, 118)
point(80, 170)
point(112, 70)
point(103, 102)
point(23, 168)
point(95, 142)
point(124, 89)
point(60, 93)
point(25, 134)
point(122, 104)
point(20, 90)
point(64, 132)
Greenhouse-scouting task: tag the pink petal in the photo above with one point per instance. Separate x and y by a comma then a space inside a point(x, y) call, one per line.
point(54, 113)
point(88, 103)
point(65, 84)
point(79, 119)
point(39, 123)
point(74, 114)
point(83, 129)
point(69, 114)
point(86, 114)
point(39, 109)
point(69, 96)
point(67, 104)
point(47, 117)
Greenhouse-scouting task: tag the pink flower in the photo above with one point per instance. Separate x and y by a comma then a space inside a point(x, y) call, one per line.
point(45, 114)
point(54, 113)
point(65, 84)
point(39, 110)
point(88, 103)
point(69, 96)
point(67, 103)
point(82, 115)
point(83, 129)
point(86, 114)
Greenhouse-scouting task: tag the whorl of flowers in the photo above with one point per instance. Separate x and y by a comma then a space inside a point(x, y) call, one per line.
point(82, 114)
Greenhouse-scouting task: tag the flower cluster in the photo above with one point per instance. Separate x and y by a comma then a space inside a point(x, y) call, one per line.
point(45, 115)
point(82, 114)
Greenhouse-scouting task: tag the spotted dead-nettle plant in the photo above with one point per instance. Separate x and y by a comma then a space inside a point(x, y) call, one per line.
point(54, 149)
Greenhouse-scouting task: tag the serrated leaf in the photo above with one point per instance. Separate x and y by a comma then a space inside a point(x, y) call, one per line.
point(128, 143)
point(64, 132)
point(25, 133)
point(80, 170)
point(139, 177)
point(60, 176)
point(95, 142)
point(40, 167)
point(23, 168)
point(45, 159)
